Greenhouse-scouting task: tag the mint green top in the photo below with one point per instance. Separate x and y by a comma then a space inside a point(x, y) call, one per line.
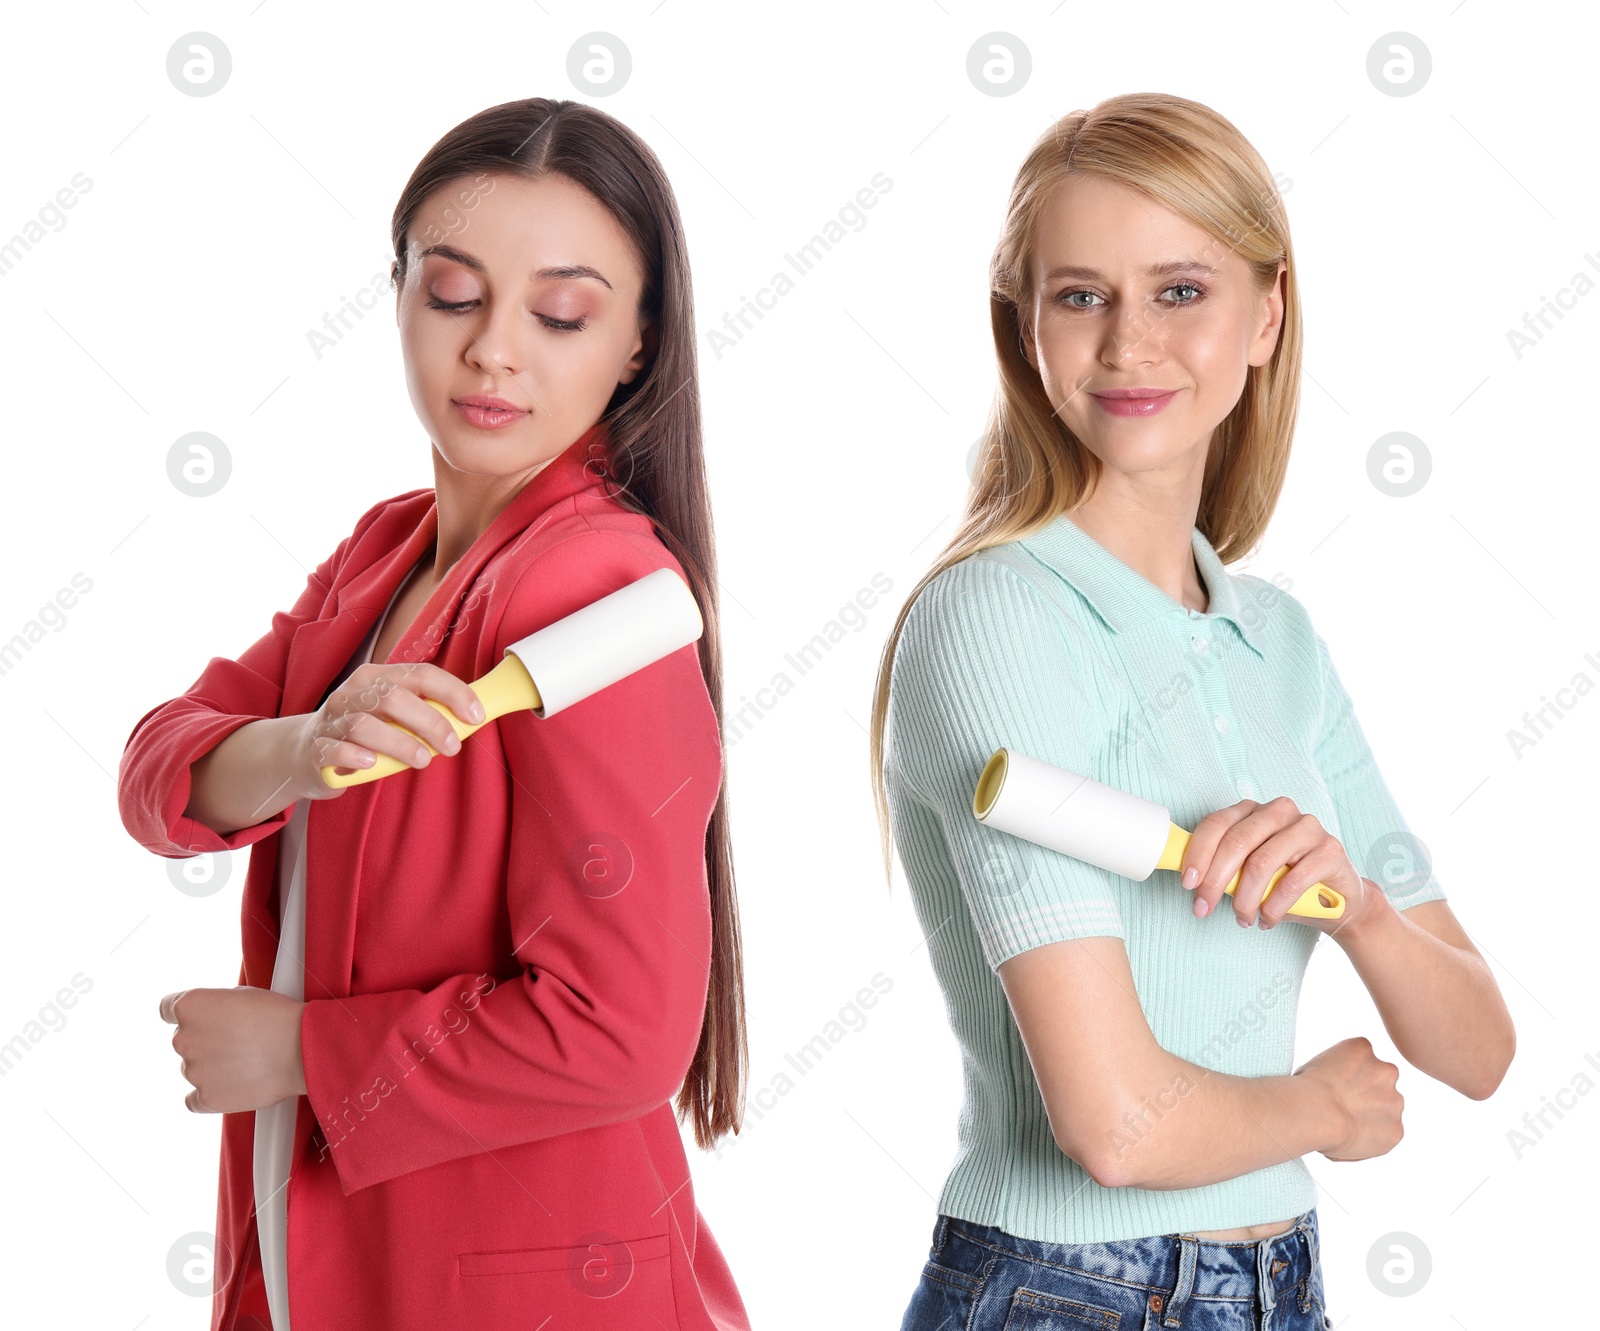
point(1052, 646)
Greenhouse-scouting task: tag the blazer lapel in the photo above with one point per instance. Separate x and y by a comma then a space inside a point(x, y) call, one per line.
point(320, 649)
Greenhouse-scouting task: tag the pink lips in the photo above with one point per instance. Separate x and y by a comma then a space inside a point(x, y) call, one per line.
point(1134, 401)
point(488, 412)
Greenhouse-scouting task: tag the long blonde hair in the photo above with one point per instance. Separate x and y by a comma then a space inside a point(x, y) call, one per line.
point(1029, 466)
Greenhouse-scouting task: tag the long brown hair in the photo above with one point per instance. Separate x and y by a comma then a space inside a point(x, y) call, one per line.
point(1030, 467)
point(659, 466)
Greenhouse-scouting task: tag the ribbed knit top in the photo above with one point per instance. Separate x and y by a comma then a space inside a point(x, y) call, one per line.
point(1054, 647)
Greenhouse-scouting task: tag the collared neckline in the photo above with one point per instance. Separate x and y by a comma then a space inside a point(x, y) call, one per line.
point(1123, 597)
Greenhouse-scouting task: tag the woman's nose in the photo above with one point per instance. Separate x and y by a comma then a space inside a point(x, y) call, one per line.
point(1133, 335)
point(495, 342)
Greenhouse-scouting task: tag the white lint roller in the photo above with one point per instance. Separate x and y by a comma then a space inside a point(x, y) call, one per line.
point(1100, 825)
point(566, 661)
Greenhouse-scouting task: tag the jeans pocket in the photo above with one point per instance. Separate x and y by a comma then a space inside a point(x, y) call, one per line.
point(1035, 1310)
point(943, 1298)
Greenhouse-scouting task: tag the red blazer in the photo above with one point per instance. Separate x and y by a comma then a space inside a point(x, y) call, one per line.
point(507, 952)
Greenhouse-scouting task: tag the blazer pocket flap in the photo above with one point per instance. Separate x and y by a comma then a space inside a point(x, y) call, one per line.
point(581, 1258)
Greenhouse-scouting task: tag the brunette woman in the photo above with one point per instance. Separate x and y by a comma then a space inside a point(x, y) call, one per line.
point(471, 990)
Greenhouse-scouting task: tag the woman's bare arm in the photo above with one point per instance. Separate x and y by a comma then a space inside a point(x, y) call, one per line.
point(264, 766)
point(1128, 1111)
point(1435, 993)
point(246, 778)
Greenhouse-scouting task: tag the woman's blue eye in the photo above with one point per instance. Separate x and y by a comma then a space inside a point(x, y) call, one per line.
point(1199, 294)
point(456, 306)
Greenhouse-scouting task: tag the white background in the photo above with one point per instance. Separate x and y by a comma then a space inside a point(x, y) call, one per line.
point(219, 230)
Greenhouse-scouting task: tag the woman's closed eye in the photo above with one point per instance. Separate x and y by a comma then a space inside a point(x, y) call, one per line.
point(561, 325)
point(1200, 294)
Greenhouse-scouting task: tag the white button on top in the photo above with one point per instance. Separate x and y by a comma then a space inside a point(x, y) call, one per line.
point(1244, 789)
point(1221, 723)
point(1201, 646)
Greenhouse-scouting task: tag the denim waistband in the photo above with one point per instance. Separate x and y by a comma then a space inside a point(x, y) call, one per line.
point(1171, 1269)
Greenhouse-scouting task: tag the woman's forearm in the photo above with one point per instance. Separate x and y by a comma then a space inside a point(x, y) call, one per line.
point(1438, 1002)
point(245, 778)
point(1202, 1126)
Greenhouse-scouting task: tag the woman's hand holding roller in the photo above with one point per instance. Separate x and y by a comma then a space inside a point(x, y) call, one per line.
point(1261, 839)
point(363, 716)
point(264, 766)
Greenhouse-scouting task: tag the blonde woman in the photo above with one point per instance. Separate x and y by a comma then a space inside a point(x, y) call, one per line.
point(1131, 1134)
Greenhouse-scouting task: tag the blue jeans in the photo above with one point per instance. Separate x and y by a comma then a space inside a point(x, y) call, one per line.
point(979, 1278)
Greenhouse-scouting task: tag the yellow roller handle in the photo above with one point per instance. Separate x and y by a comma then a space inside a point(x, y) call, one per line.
point(507, 688)
point(1318, 901)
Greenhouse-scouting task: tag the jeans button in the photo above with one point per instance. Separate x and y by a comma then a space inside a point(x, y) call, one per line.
point(1156, 1302)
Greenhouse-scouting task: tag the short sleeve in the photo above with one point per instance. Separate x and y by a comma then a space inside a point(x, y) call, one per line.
point(1372, 830)
point(983, 662)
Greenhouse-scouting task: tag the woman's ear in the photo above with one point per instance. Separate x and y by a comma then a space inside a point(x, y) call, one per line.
point(1270, 314)
point(649, 341)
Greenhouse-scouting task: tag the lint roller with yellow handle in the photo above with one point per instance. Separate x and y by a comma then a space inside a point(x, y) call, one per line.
point(566, 661)
point(1101, 825)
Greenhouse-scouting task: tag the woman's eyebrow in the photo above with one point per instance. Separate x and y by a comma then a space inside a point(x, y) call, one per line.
point(466, 260)
point(572, 270)
point(459, 256)
point(1155, 270)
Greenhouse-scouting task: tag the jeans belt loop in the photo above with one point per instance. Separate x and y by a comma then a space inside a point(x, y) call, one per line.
point(1264, 1294)
point(1178, 1300)
point(1309, 1238)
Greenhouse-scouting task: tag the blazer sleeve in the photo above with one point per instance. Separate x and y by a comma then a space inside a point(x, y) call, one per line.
point(153, 774)
point(1371, 827)
point(983, 663)
point(609, 913)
